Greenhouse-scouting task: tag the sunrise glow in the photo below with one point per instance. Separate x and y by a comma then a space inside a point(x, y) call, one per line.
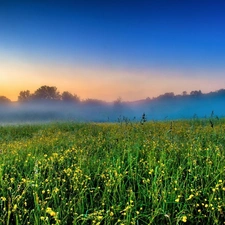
point(105, 50)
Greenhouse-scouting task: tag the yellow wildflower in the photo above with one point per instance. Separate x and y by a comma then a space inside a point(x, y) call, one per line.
point(3, 199)
point(184, 219)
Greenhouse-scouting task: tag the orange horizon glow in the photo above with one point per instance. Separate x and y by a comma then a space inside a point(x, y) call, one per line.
point(100, 83)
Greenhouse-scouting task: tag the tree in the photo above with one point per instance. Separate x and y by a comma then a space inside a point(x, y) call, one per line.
point(4, 100)
point(118, 102)
point(184, 93)
point(24, 96)
point(167, 96)
point(118, 105)
point(196, 93)
point(221, 92)
point(68, 97)
point(47, 93)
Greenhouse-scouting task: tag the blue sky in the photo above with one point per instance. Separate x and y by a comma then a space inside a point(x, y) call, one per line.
point(106, 49)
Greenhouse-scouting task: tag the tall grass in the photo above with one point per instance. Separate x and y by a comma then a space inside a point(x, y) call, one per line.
point(126, 173)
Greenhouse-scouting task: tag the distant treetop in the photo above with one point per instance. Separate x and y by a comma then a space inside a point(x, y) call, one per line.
point(4, 100)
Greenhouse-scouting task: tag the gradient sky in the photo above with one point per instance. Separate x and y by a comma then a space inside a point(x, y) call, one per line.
point(110, 49)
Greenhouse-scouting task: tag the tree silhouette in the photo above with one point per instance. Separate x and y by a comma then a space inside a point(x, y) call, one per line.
point(118, 102)
point(46, 93)
point(4, 100)
point(118, 106)
point(68, 97)
point(184, 93)
point(24, 96)
point(167, 96)
point(196, 93)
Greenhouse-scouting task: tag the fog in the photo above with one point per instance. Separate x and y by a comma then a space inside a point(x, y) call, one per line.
point(161, 108)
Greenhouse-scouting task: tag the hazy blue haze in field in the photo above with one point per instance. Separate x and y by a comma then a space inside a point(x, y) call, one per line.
point(162, 108)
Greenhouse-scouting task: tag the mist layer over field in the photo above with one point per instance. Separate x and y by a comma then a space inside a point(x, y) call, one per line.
point(161, 108)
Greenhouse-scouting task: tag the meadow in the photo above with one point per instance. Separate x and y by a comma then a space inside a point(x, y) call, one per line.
point(113, 173)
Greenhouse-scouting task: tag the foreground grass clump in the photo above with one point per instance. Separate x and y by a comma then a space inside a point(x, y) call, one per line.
point(155, 173)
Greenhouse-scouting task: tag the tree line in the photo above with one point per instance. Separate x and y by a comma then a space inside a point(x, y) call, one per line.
point(45, 92)
point(51, 93)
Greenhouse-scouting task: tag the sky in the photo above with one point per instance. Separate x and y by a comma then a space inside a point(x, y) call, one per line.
point(109, 49)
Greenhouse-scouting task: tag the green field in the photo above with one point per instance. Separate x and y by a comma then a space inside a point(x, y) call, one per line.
point(124, 173)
